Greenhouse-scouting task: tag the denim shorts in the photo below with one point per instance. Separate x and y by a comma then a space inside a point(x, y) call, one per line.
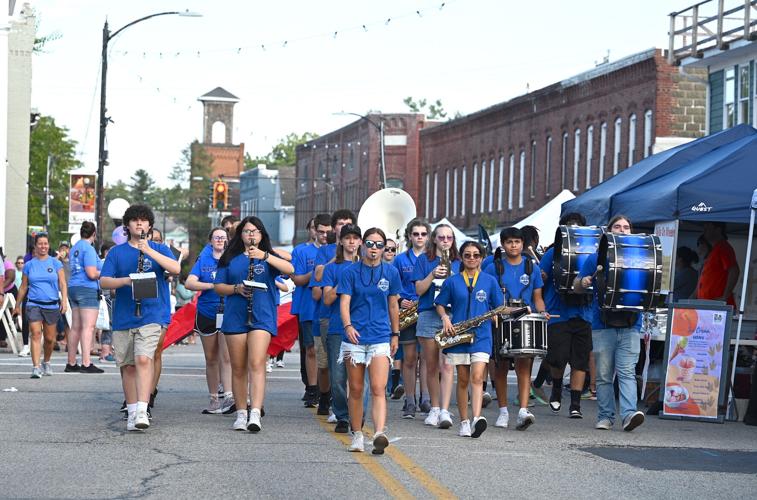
point(47, 316)
point(82, 297)
point(363, 354)
point(307, 333)
point(428, 324)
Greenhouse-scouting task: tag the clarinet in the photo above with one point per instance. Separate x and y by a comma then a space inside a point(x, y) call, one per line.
point(250, 277)
point(140, 268)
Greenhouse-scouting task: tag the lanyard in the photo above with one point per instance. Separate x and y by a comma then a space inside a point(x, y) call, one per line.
point(470, 283)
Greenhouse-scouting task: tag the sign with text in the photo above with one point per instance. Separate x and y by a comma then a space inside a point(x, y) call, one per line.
point(696, 356)
point(81, 199)
point(667, 232)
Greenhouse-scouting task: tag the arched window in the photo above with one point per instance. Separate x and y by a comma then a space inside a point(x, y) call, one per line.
point(454, 192)
point(647, 133)
point(631, 139)
point(512, 181)
point(464, 189)
point(491, 185)
point(589, 153)
point(602, 151)
point(446, 193)
point(616, 152)
point(436, 191)
point(428, 193)
point(501, 194)
point(564, 163)
point(522, 179)
point(532, 172)
point(475, 189)
point(548, 165)
point(483, 185)
point(218, 133)
point(576, 157)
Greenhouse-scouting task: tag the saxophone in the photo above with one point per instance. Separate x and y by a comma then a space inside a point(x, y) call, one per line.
point(444, 261)
point(409, 316)
point(463, 334)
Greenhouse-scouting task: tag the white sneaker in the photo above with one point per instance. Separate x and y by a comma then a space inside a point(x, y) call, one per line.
point(525, 419)
point(141, 421)
point(280, 363)
point(433, 417)
point(332, 418)
point(358, 443)
point(214, 407)
point(445, 419)
point(36, 372)
point(240, 424)
point(47, 369)
point(479, 426)
point(464, 428)
point(604, 425)
point(131, 422)
point(25, 352)
point(269, 367)
point(254, 424)
point(503, 420)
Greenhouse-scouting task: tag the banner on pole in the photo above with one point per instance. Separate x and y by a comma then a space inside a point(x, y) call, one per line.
point(81, 200)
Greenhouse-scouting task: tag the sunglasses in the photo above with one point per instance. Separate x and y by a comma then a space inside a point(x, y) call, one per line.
point(390, 249)
point(378, 244)
point(445, 238)
point(415, 235)
point(471, 256)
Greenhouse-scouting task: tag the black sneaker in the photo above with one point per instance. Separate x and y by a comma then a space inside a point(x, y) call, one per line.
point(149, 413)
point(324, 402)
point(398, 392)
point(91, 369)
point(72, 368)
point(342, 427)
point(408, 410)
point(575, 412)
point(312, 400)
point(554, 401)
point(152, 398)
point(231, 409)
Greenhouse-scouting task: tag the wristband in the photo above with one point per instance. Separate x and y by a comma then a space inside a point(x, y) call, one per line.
point(347, 326)
point(395, 334)
point(265, 257)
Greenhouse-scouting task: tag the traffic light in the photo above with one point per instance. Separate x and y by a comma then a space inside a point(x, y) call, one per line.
point(220, 195)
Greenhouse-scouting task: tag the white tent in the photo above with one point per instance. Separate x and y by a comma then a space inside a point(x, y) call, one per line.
point(546, 219)
point(460, 237)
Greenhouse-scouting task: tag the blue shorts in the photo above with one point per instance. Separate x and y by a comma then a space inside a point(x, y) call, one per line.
point(82, 297)
point(428, 324)
point(47, 316)
point(307, 333)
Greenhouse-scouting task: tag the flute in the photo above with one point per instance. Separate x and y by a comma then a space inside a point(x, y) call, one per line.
point(140, 269)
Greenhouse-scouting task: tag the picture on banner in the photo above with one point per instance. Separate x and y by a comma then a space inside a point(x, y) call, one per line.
point(667, 232)
point(81, 200)
point(694, 363)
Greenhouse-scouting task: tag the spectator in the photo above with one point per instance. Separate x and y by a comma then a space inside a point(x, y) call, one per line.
point(685, 284)
point(106, 336)
point(720, 271)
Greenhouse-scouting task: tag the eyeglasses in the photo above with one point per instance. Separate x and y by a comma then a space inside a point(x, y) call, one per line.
point(471, 256)
point(390, 249)
point(378, 244)
point(248, 232)
point(445, 238)
point(415, 235)
point(219, 238)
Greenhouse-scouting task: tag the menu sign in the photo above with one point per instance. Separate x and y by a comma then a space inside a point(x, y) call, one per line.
point(696, 356)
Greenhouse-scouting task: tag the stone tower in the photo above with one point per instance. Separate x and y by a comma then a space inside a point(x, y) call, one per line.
point(218, 116)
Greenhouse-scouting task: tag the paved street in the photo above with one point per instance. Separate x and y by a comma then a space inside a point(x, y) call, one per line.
point(62, 437)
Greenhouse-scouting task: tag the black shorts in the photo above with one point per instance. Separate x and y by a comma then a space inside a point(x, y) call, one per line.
point(407, 336)
point(569, 342)
point(204, 325)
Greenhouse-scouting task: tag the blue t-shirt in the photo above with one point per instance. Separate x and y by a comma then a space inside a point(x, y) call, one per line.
point(42, 276)
point(82, 255)
point(423, 268)
point(324, 255)
point(264, 311)
point(515, 281)
point(484, 296)
point(122, 261)
point(369, 289)
point(303, 260)
point(553, 300)
point(487, 260)
point(205, 269)
point(331, 275)
point(588, 268)
point(405, 264)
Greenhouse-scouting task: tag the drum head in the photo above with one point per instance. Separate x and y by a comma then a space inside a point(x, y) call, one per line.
point(632, 278)
point(573, 245)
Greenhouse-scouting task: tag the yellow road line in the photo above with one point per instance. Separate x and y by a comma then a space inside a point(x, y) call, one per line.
point(382, 476)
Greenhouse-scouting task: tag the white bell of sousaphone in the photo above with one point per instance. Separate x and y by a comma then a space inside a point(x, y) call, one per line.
point(389, 209)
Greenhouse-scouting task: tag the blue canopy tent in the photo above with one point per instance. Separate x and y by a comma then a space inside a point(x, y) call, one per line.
point(598, 203)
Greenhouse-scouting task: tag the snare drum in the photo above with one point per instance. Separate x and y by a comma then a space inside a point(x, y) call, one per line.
point(522, 338)
point(573, 244)
point(633, 278)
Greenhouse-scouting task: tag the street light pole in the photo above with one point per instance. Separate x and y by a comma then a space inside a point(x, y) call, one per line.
point(380, 127)
point(102, 154)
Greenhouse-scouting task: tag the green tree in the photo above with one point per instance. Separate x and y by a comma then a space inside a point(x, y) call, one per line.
point(433, 111)
point(117, 190)
point(196, 202)
point(283, 154)
point(48, 139)
point(142, 187)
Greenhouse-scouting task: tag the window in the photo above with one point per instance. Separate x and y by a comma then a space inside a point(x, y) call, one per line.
point(564, 164)
point(483, 185)
point(464, 189)
point(436, 191)
point(616, 152)
point(395, 183)
point(576, 157)
point(647, 133)
point(475, 188)
point(454, 192)
point(602, 151)
point(491, 185)
point(589, 153)
point(501, 194)
point(743, 94)
point(631, 139)
point(532, 173)
point(548, 165)
point(522, 179)
point(512, 181)
point(428, 193)
point(446, 193)
point(729, 102)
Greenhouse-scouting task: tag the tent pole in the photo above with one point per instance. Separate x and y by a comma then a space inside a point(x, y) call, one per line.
point(744, 281)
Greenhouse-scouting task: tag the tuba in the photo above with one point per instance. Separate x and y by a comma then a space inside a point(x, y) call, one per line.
point(463, 334)
point(389, 209)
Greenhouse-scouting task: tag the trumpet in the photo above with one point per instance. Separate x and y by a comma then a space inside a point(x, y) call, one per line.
point(462, 332)
point(409, 316)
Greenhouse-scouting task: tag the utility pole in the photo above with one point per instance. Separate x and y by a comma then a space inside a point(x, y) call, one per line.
point(47, 192)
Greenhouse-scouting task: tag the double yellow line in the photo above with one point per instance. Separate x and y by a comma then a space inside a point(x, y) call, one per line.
point(383, 476)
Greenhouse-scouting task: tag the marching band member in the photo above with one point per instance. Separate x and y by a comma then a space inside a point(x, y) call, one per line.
point(416, 234)
point(300, 289)
point(428, 268)
point(201, 278)
point(369, 307)
point(469, 294)
point(569, 334)
point(249, 257)
point(135, 339)
point(616, 341)
point(519, 280)
point(350, 238)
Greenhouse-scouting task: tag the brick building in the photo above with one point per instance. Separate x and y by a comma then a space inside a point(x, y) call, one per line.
point(342, 168)
point(503, 163)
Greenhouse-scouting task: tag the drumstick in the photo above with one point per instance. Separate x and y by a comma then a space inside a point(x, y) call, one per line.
point(599, 269)
point(534, 254)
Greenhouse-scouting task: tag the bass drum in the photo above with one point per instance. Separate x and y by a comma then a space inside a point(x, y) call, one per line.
point(573, 245)
point(522, 338)
point(632, 279)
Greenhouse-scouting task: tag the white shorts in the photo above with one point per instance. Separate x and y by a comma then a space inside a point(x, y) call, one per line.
point(363, 354)
point(465, 358)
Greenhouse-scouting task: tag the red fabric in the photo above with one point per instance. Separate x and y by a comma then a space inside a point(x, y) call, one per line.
point(287, 331)
point(715, 272)
point(182, 323)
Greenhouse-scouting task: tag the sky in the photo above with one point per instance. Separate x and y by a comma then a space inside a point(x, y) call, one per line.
point(294, 64)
